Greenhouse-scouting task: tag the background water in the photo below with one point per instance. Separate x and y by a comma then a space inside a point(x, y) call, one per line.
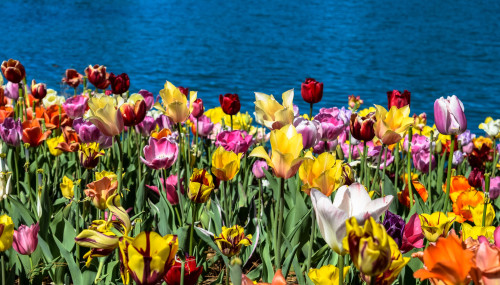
point(432, 48)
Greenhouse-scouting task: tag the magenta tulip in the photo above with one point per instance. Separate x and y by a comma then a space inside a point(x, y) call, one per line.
point(170, 187)
point(75, 106)
point(413, 236)
point(160, 154)
point(311, 131)
point(449, 116)
point(25, 239)
point(235, 141)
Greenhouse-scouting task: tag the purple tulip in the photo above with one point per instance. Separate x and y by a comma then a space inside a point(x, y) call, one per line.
point(394, 225)
point(165, 122)
point(88, 132)
point(449, 116)
point(258, 168)
point(494, 187)
point(148, 98)
point(170, 187)
point(333, 123)
point(458, 157)
point(323, 146)
point(466, 142)
point(25, 239)
point(12, 90)
point(385, 159)
point(75, 106)
point(235, 141)
point(146, 126)
point(160, 154)
point(421, 160)
point(311, 131)
point(205, 125)
point(11, 131)
point(413, 236)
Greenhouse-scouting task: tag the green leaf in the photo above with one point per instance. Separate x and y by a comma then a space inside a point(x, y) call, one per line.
point(207, 237)
point(76, 274)
point(69, 236)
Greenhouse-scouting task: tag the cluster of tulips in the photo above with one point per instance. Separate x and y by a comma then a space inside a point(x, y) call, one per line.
point(109, 187)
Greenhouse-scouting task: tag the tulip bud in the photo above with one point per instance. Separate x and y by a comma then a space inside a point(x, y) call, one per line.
point(26, 239)
point(39, 91)
point(97, 76)
point(133, 114)
point(420, 121)
point(258, 168)
point(12, 90)
point(119, 84)
point(395, 98)
point(362, 127)
point(197, 108)
point(494, 187)
point(311, 91)
point(13, 71)
point(191, 272)
point(89, 155)
point(354, 102)
point(476, 178)
point(230, 103)
point(449, 116)
point(311, 131)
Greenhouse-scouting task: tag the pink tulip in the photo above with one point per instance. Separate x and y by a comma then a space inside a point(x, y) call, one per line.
point(170, 186)
point(496, 236)
point(235, 141)
point(449, 116)
point(494, 187)
point(203, 123)
point(413, 237)
point(25, 239)
point(75, 106)
point(258, 168)
point(160, 154)
point(311, 131)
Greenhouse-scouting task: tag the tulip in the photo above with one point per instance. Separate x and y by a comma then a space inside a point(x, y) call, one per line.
point(225, 164)
point(10, 131)
point(449, 116)
point(476, 177)
point(67, 188)
point(88, 132)
point(169, 187)
point(119, 83)
point(32, 133)
point(395, 98)
point(327, 274)
point(200, 186)
point(354, 102)
point(350, 201)
point(494, 187)
point(286, 146)
point(12, 90)
point(13, 71)
point(52, 99)
point(184, 90)
point(332, 126)
point(104, 173)
point(362, 127)
point(52, 143)
point(38, 90)
point(325, 146)
point(465, 140)
point(72, 78)
point(89, 155)
point(99, 191)
point(477, 214)
point(475, 232)
point(391, 126)
point(394, 226)
point(133, 114)
point(105, 116)
point(272, 114)
point(75, 106)
point(5, 181)
point(6, 232)
point(368, 246)
point(323, 173)
point(146, 126)
point(258, 168)
point(232, 239)
point(235, 141)
point(435, 225)
point(160, 153)
point(311, 131)
point(191, 272)
point(230, 103)
point(197, 108)
point(491, 127)
point(97, 76)
point(465, 203)
point(26, 239)
point(203, 126)
point(311, 91)
point(175, 104)
point(148, 97)
point(413, 236)
point(148, 257)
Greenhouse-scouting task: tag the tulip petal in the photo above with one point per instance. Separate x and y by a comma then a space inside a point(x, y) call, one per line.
point(260, 152)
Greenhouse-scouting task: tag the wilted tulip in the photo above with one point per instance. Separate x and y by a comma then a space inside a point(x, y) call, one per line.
point(99, 191)
point(258, 168)
point(311, 91)
point(26, 239)
point(449, 116)
point(75, 106)
point(6, 232)
point(200, 186)
point(362, 127)
point(197, 108)
point(13, 71)
point(72, 78)
point(311, 131)
point(225, 164)
point(191, 272)
point(395, 98)
point(230, 103)
point(133, 114)
point(38, 90)
point(119, 83)
point(232, 239)
point(97, 76)
point(160, 153)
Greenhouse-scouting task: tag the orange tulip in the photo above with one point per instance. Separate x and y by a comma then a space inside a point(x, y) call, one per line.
point(464, 204)
point(446, 261)
point(458, 185)
point(161, 134)
point(33, 134)
point(99, 191)
point(404, 196)
point(6, 112)
point(71, 142)
point(55, 116)
point(278, 279)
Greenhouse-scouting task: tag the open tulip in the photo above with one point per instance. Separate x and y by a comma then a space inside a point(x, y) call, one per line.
point(326, 275)
point(191, 272)
point(52, 143)
point(160, 153)
point(6, 232)
point(119, 83)
point(435, 225)
point(271, 113)
point(105, 116)
point(491, 127)
point(398, 99)
point(230, 103)
point(200, 186)
point(175, 104)
point(232, 239)
point(97, 76)
point(235, 141)
point(203, 126)
point(324, 173)
point(67, 187)
point(286, 146)
point(449, 116)
point(33, 134)
point(350, 201)
point(13, 70)
point(225, 164)
point(75, 106)
point(72, 78)
point(311, 91)
point(99, 191)
point(26, 239)
point(391, 125)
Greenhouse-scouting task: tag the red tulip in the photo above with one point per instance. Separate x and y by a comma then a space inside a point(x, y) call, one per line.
point(395, 98)
point(362, 127)
point(72, 78)
point(133, 114)
point(38, 90)
point(191, 272)
point(230, 103)
point(312, 91)
point(13, 70)
point(97, 76)
point(183, 90)
point(119, 83)
point(197, 108)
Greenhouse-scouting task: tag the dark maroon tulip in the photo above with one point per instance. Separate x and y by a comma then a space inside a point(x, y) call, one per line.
point(197, 108)
point(191, 272)
point(183, 90)
point(476, 178)
point(72, 78)
point(97, 76)
point(230, 103)
point(362, 127)
point(13, 70)
point(312, 91)
point(119, 83)
point(133, 114)
point(395, 98)
point(38, 90)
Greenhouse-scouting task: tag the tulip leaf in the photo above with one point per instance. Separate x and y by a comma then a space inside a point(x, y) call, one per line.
point(183, 237)
point(235, 274)
point(268, 271)
point(140, 196)
point(208, 238)
point(69, 236)
point(26, 215)
point(45, 249)
point(289, 258)
point(88, 277)
point(76, 274)
point(292, 256)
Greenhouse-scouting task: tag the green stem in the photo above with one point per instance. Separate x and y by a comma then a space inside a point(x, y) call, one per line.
point(350, 148)
point(486, 196)
point(3, 268)
point(341, 269)
point(191, 239)
point(99, 270)
point(310, 118)
point(31, 269)
point(396, 162)
point(120, 164)
point(196, 141)
point(227, 275)
point(365, 166)
point(311, 239)
point(494, 165)
point(429, 190)
point(261, 201)
point(448, 175)
point(280, 222)
point(383, 172)
point(408, 167)
point(378, 169)
point(179, 177)
point(231, 122)
point(16, 170)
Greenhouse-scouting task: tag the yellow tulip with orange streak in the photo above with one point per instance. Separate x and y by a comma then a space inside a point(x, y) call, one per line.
point(391, 125)
point(271, 113)
point(323, 173)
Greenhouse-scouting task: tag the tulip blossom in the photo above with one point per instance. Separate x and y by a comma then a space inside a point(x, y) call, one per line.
point(25, 239)
point(183, 90)
point(75, 106)
point(175, 104)
point(332, 124)
point(327, 274)
point(435, 225)
point(258, 168)
point(51, 99)
point(72, 78)
point(311, 91)
point(6, 232)
point(420, 121)
point(191, 272)
point(354, 102)
point(286, 146)
point(311, 131)
point(99, 191)
point(225, 164)
point(133, 114)
point(12, 90)
point(67, 188)
point(52, 143)
point(146, 126)
point(88, 133)
point(362, 127)
point(200, 186)
point(325, 146)
point(11, 132)
point(13, 71)
point(271, 113)
point(235, 141)
point(491, 127)
point(230, 103)
point(160, 153)
point(203, 126)
point(394, 226)
point(119, 83)
point(89, 155)
point(97, 76)
point(197, 108)
point(475, 232)
point(494, 187)
point(33, 134)
point(232, 239)
point(398, 99)
point(38, 90)
point(105, 116)
point(449, 116)
point(487, 264)
point(323, 173)
point(169, 187)
point(413, 236)
point(391, 125)
point(350, 201)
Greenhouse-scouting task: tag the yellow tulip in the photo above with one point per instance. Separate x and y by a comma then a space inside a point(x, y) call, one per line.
point(391, 126)
point(215, 115)
point(326, 275)
point(200, 186)
point(67, 186)
point(271, 113)
point(435, 225)
point(175, 104)
point(324, 173)
point(105, 116)
point(475, 232)
point(225, 164)
point(53, 142)
point(397, 264)
point(6, 232)
point(232, 239)
point(286, 146)
point(147, 257)
point(477, 215)
point(366, 111)
point(89, 154)
point(111, 175)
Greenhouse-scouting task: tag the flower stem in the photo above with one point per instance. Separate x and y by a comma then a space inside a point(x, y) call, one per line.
point(120, 164)
point(182, 271)
point(494, 164)
point(396, 162)
point(179, 177)
point(227, 275)
point(486, 196)
point(365, 166)
point(430, 169)
point(341, 269)
point(3, 268)
point(448, 175)
point(310, 118)
point(311, 239)
point(191, 239)
point(280, 222)
point(408, 167)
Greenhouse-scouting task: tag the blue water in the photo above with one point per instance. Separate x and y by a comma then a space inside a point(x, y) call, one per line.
point(366, 47)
